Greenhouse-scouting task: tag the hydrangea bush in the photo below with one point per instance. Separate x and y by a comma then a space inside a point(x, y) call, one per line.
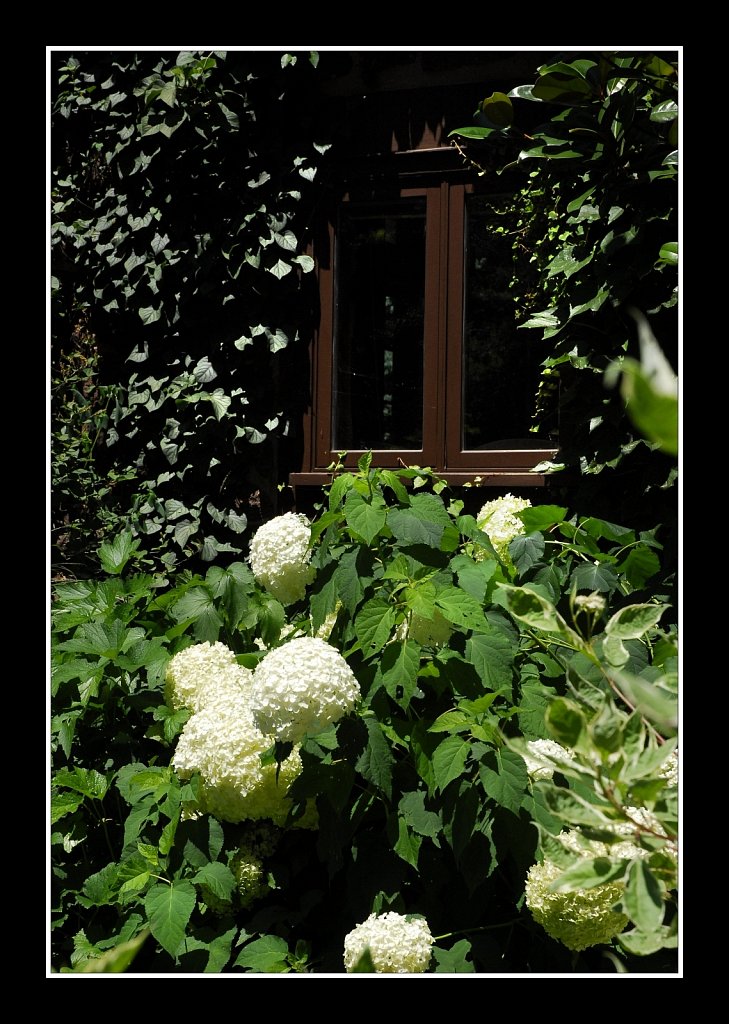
point(450, 747)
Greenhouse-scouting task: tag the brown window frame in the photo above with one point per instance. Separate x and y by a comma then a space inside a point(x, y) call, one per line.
point(441, 450)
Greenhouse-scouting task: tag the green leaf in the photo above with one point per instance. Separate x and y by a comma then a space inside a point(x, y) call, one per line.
point(526, 550)
point(449, 760)
point(412, 809)
point(668, 253)
point(594, 576)
point(474, 577)
point(654, 702)
point(497, 108)
point(64, 803)
point(454, 960)
point(376, 761)
point(566, 721)
point(218, 878)
point(407, 845)
point(461, 609)
point(267, 955)
point(87, 781)
point(279, 269)
point(572, 809)
point(473, 132)
point(398, 670)
point(643, 901)
point(586, 873)
point(114, 556)
point(149, 315)
point(116, 960)
point(365, 519)
point(374, 624)
point(509, 782)
point(644, 943)
point(492, 655)
point(634, 621)
point(169, 908)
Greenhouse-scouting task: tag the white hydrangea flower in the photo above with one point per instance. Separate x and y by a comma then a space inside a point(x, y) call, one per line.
point(577, 919)
point(497, 519)
point(300, 688)
point(544, 748)
point(397, 945)
point(669, 769)
point(279, 556)
point(222, 742)
point(193, 673)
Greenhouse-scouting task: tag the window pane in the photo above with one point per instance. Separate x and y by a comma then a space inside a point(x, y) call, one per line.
point(500, 363)
point(377, 399)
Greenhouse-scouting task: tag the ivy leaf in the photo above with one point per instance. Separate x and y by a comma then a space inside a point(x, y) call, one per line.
point(279, 269)
point(115, 555)
point(169, 908)
point(449, 760)
point(149, 314)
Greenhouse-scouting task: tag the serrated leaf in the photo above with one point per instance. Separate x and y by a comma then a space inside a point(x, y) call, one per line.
point(492, 655)
point(594, 576)
point(641, 565)
point(461, 609)
point(115, 555)
point(508, 783)
point(64, 803)
point(526, 550)
point(449, 760)
point(398, 669)
point(86, 781)
point(363, 518)
point(218, 878)
point(169, 908)
point(376, 761)
point(566, 722)
point(266, 955)
point(374, 624)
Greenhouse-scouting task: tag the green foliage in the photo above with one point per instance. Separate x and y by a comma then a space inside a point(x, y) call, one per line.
point(426, 796)
point(179, 184)
point(595, 231)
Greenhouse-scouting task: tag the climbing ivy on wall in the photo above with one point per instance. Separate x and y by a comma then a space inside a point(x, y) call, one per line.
point(182, 193)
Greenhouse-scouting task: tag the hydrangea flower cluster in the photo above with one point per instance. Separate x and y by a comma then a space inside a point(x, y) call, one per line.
point(222, 742)
point(279, 556)
point(577, 919)
point(544, 748)
point(669, 769)
point(193, 673)
point(397, 944)
point(497, 519)
point(301, 687)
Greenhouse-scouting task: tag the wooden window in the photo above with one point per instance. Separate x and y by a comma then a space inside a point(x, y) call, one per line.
point(417, 356)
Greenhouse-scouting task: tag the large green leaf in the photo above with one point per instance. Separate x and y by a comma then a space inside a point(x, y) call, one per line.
point(586, 873)
point(364, 518)
point(454, 960)
point(504, 778)
point(643, 900)
point(492, 655)
point(412, 809)
point(398, 670)
point(169, 908)
point(461, 609)
point(374, 624)
point(115, 555)
point(218, 878)
point(376, 761)
point(266, 955)
point(634, 621)
point(449, 760)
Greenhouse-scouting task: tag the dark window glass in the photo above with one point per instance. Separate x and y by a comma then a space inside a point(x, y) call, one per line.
point(499, 362)
point(377, 396)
